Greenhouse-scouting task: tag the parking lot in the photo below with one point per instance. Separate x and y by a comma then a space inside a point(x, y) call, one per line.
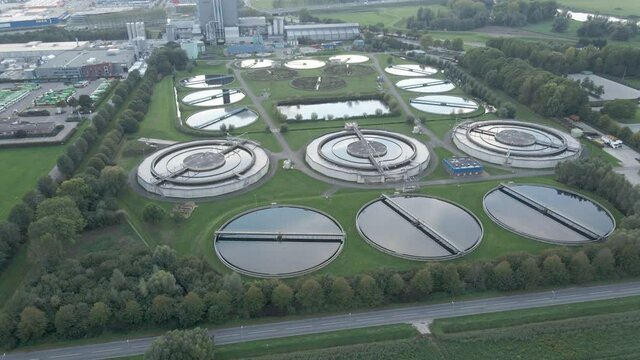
point(59, 119)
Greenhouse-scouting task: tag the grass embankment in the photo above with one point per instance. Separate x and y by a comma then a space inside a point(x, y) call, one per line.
point(622, 8)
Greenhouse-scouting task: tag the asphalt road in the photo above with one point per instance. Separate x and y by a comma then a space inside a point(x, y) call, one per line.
point(349, 321)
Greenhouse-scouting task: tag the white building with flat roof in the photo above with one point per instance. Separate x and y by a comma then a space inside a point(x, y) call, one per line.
point(37, 49)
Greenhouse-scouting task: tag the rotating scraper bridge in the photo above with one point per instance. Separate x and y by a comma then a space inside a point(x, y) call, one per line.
point(556, 216)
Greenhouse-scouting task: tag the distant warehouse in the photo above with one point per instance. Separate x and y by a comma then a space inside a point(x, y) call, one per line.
point(86, 65)
point(18, 19)
point(323, 32)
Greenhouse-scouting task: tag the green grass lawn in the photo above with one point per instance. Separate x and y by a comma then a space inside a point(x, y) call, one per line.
point(22, 169)
point(392, 17)
point(617, 7)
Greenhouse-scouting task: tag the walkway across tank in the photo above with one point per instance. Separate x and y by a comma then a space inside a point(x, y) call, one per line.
point(413, 70)
point(216, 97)
point(444, 104)
point(206, 81)
point(367, 156)
point(548, 214)
point(214, 119)
point(279, 241)
point(425, 85)
point(515, 143)
point(255, 63)
point(203, 168)
point(418, 227)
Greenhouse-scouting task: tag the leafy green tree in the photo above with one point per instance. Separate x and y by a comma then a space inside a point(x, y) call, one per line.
point(554, 272)
point(70, 321)
point(132, 313)
point(66, 165)
point(113, 179)
point(162, 282)
point(153, 213)
point(368, 291)
point(7, 327)
point(21, 215)
point(282, 296)
point(77, 189)
point(620, 109)
point(46, 186)
point(395, 285)
point(254, 300)
point(580, 269)
point(85, 101)
point(422, 283)
point(341, 293)
point(310, 295)
point(32, 325)
point(162, 309)
point(190, 310)
point(99, 316)
point(527, 275)
point(604, 263)
point(502, 276)
point(221, 308)
point(451, 282)
point(194, 344)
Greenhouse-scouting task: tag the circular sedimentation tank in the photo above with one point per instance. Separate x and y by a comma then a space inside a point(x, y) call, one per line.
point(515, 143)
point(305, 64)
point(413, 70)
point(203, 168)
point(255, 64)
point(444, 104)
point(206, 81)
point(548, 214)
point(425, 85)
point(349, 59)
point(213, 119)
point(367, 156)
point(279, 241)
point(417, 227)
point(216, 97)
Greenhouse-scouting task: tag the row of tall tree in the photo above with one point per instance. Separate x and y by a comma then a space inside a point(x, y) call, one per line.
point(124, 291)
point(560, 59)
point(546, 93)
point(469, 14)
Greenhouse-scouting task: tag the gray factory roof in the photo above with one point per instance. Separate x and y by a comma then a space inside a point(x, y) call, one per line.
point(252, 21)
point(38, 46)
point(89, 57)
point(321, 26)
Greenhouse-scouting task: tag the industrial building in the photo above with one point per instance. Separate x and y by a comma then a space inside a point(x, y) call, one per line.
point(19, 19)
point(178, 29)
point(462, 166)
point(323, 32)
point(38, 49)
point(86, 65)
point(12, 129)
point(215, 15)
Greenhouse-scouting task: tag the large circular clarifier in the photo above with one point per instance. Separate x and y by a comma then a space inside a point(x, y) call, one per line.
point(305, 64)
point(209, 98)
point(548, 214)
point(255, 64)
point(279, 241)
point(349, 59)
point(425, 85)
point(206, 81)
point(213, 119)
point(203, 168)
point(419, 227)
point(367, 156)
point(413, 70)
point(444, 104)
point(515, 143)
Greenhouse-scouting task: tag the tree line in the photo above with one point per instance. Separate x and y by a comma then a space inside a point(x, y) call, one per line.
point(464, 15)
point(52, 214)
point(55, 34)
point(614, 60)
point(546, 93)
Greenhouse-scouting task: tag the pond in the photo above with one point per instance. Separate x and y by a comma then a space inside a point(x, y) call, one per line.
point(444, 104)
point(335, 110)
